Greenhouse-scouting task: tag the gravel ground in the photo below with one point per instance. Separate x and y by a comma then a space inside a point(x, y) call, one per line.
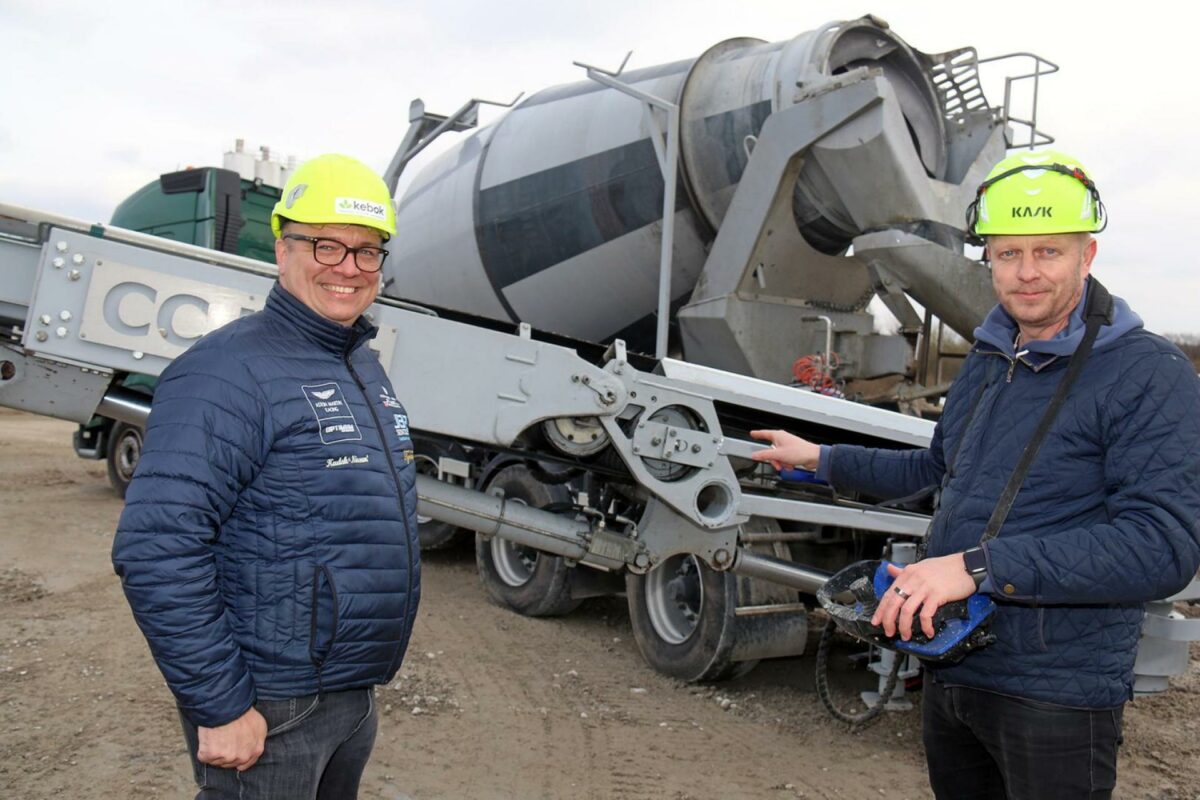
point(487, 705)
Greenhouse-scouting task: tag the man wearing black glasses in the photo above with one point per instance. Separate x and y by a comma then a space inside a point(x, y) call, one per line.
point(334, 271)
point(268, 546)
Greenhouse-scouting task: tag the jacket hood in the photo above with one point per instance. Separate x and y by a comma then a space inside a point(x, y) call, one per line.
point(999, 330)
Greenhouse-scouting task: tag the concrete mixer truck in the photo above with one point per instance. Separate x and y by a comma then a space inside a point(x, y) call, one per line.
point(588, 305)
point(739, 210)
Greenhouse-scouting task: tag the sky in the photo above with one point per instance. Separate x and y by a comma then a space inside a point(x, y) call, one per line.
point(100, 98)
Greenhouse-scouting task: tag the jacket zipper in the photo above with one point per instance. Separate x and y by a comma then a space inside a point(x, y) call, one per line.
point(387, 452)
point(319, 663)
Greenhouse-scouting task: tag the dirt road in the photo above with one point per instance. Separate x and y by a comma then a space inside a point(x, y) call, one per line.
point(487, 705)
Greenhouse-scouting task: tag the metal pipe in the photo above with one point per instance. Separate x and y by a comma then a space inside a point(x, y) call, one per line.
point(406, 154)
point(828, 336)
point(670, 179)
point(861, 517)
point(425, 127)
point(125, 405)
point(776, 570)
point(492, 515)
point(785, 536)
point(560, 535)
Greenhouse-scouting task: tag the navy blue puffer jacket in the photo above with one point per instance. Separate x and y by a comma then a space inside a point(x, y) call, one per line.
point(1107, 518)
point(268, 543)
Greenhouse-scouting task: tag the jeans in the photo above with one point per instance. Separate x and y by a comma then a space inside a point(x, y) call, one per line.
point(980, 744)
point(316, 749)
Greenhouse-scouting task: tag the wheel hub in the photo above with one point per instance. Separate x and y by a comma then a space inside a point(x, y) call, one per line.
point(129, 450)
point(514, 563)
point(674, 598)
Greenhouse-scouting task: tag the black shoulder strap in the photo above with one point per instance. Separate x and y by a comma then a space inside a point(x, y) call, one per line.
point(1098, 311)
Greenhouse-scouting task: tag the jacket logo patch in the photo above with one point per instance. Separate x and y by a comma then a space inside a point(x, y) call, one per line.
point(388, 400)
point(335, 420)
point(331, 463)
point(401, 425)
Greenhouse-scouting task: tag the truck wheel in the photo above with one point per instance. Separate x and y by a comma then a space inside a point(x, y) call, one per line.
point(124, 450)
point(684, 617)
point(434, 534)
point(528, 581)
point(680, 612)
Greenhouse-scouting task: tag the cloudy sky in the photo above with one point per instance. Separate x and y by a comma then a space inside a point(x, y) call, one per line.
point(99, 98)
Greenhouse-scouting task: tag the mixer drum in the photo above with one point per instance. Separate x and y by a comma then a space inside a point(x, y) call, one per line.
point(553, 214)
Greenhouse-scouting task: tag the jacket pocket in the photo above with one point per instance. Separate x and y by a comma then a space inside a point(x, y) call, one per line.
point(323, 624)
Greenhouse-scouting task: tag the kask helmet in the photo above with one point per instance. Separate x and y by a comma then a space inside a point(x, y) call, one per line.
point(335, 189)
point(1036, 193)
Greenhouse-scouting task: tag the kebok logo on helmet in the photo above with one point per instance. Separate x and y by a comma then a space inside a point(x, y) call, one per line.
point(338, 189)
point(358, 207)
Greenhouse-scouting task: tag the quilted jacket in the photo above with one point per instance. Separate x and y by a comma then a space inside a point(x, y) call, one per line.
point(1106, 519)
point(268, 543)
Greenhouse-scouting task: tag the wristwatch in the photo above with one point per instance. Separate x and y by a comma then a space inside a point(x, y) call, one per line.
point(975, 562)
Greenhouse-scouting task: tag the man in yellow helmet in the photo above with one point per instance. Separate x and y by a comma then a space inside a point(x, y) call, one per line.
point(268, 546)
point(1067, 467)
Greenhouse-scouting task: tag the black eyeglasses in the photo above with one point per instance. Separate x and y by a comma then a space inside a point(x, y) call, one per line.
point(331, 252)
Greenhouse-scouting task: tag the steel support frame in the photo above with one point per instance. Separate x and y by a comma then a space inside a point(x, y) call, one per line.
point(668, 162)
point(424, 127)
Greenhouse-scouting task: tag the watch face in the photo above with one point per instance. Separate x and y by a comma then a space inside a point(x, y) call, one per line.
point(975, 561)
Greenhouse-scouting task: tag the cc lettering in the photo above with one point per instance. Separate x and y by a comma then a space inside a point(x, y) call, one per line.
point(128, 308)
point(133, 308)
point(183, 318)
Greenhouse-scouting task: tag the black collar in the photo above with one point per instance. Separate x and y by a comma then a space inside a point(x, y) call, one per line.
point(325, 333)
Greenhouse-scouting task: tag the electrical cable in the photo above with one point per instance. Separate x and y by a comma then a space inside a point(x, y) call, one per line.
point(822, 683)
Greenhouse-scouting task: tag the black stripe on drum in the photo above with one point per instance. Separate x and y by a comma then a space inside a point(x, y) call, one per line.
point(481, 241)
point(534, 222)
point(531, 223)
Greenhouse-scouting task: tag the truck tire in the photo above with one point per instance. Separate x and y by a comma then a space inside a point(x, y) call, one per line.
point(434, 534)
point(528, 581)
point(683, 613)
point(680, 612)
point(124, 450)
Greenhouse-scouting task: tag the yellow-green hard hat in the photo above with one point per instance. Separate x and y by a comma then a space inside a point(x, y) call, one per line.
point(336, 189)
point(1036, 193)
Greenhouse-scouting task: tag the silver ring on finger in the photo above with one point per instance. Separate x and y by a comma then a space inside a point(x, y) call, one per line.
point(901, 592)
